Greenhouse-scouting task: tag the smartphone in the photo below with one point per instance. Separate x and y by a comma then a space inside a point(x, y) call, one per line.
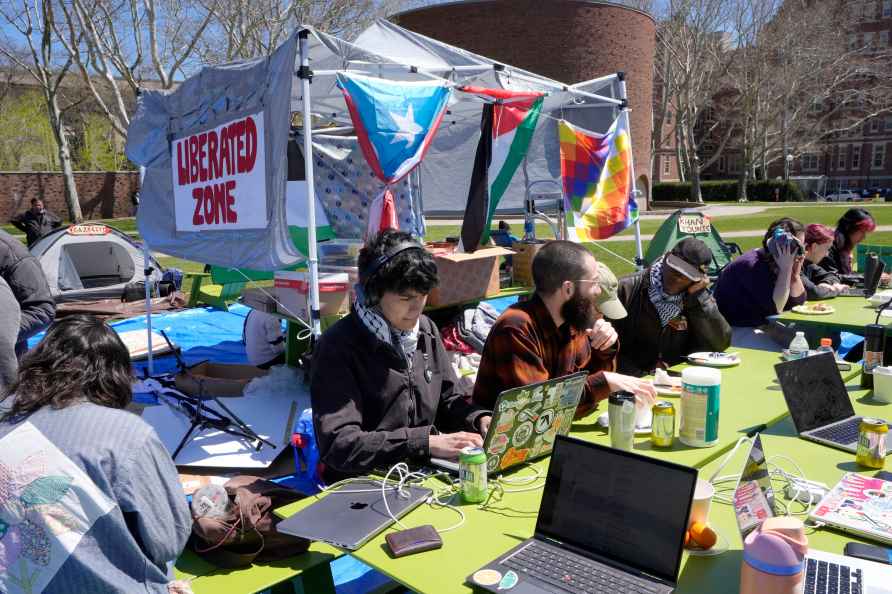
point(868, 552)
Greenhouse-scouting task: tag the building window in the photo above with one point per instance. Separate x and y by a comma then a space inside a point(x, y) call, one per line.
point(889, 123)
point(884, 39)
point(667, 164)
point(722, 163)
point(879, 156)
point(809, 162)
point(841, 158)
point(853, 40)
point(856, 158)
point(875, 125)
point(887, 8)
point(868, 40)
point(734, 164)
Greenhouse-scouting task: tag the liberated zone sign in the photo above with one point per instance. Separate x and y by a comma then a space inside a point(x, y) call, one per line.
point(219, 177)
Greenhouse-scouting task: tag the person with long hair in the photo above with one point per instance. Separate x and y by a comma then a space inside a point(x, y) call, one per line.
point(90, 500)
point(851, 229)
point(819, 282)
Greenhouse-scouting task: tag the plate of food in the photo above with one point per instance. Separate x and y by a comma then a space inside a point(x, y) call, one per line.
point(665, 384)
point(814, 309)
point(714, 359)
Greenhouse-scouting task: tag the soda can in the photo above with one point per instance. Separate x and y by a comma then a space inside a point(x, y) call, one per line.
point(872, 443)
point(472, 474)
point(663, 431)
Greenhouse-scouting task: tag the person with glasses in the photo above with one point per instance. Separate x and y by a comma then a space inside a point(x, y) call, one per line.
point(561, 330)
point(671, 311)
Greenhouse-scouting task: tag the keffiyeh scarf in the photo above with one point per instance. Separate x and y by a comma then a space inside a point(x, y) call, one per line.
point(668, 306)
point(404, 342)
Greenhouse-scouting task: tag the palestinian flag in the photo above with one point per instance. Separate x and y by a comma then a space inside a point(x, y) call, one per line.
point(296, 203)
point(506, 128)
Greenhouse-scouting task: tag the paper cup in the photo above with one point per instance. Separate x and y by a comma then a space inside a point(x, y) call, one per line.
point(644, 415)
point(703, 494)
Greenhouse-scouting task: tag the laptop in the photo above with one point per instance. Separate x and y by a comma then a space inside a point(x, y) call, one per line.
point(819, 403)
point(600, 527)
point(525, 422)
point(351, 515)
point(867, 291)
point(826, 573)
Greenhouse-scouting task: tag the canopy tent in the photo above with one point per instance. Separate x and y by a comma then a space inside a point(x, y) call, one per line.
point(253, 96)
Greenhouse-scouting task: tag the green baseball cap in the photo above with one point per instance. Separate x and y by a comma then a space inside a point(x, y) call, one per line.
point(608, 302)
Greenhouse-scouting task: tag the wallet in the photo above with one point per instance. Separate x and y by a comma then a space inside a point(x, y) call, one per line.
point(413, 540)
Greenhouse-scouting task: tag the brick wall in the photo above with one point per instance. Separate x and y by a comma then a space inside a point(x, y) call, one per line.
point(567, 40)
point(103, 195)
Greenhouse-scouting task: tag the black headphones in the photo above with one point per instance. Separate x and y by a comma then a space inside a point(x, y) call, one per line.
point(380, 261)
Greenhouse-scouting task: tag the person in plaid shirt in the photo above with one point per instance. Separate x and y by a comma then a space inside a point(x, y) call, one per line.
point(559, 331)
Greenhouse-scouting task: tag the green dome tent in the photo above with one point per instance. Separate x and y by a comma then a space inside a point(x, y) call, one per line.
point(691, 223)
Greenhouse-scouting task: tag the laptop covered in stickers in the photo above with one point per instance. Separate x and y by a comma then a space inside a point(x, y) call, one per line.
point(525, 422)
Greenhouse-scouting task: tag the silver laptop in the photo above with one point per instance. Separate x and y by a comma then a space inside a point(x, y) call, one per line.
point(351, 515)
point(610, 522)
point(525, 421)
point(819, 403)
point(826, 573)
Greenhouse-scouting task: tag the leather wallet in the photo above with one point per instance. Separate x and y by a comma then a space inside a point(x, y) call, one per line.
point(413, 540)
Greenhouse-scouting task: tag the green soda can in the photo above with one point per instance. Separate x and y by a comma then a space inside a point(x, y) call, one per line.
point(472, 474)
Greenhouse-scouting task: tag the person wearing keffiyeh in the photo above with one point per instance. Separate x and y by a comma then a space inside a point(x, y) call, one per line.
point(671, 312)
point(382, 385)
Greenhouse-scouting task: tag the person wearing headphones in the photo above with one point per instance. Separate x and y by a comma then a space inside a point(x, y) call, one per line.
point(382, 388)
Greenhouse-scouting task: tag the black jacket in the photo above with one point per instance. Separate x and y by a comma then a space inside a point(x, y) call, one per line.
point(814, 275)
point(370, 410)
point(647, 344)
point(23, 274)
point(36, 226)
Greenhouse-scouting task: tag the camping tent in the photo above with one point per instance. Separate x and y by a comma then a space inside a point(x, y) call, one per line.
point(90, 261)
point(691, 223)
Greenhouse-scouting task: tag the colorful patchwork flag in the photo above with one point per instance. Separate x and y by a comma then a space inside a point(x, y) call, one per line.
point(597, 173)
point(394, 121)
point(506, 128)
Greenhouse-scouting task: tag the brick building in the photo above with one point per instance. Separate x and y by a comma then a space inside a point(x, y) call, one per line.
point(567, 40)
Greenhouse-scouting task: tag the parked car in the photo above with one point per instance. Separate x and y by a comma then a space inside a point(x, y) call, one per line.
point(881, 192)
point(844, 196)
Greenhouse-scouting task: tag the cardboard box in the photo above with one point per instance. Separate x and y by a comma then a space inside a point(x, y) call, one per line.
point(260, 299)
point(466, 277)
point(522, 261)
point(217, 379)
point(292, 291)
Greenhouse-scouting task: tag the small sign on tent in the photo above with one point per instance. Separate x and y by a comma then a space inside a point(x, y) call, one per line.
point(219, 177)
point(693, 224)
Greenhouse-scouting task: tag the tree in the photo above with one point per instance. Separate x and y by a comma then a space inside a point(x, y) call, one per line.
point(29, 44)
point(25, 134)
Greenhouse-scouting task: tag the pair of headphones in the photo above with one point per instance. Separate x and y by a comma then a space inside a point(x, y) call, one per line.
point(366, 276)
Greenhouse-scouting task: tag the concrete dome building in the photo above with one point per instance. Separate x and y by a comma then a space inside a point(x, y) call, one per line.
point(567, 40)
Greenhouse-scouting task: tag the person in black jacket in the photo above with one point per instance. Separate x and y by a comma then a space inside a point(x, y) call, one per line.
point(671, 312)
point(851, 229)
point(36, 221)
point(382, 387)
point(819, 282)
point(23, 274)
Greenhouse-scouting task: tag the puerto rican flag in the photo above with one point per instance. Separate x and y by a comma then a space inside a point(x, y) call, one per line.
point(394, 121)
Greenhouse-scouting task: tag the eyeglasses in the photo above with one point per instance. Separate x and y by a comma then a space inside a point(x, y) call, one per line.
point(586, 280)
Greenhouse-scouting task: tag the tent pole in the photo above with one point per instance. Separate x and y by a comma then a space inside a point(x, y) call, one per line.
point(624, 113)
point(147, 273)
point(306, 76)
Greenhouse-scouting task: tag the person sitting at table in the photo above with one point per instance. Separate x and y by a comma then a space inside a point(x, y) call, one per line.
point(382, 387)
point(671, 311)
point(112, 516)
point(559, 331)
point(763, 282)
point(264, 339)
point(851, 229)
point(819, 283)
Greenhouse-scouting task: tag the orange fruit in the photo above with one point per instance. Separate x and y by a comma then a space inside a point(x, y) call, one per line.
point(703, 535)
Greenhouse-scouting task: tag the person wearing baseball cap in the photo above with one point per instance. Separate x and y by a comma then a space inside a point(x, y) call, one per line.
point(671, 312)
point(562, 329)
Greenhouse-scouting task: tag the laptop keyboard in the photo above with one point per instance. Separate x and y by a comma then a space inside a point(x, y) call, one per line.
point(573, 573)
point(823, 577)
point(844, 433)
point(852, 292)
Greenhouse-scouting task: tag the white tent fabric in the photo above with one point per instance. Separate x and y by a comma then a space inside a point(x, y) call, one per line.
point(388, 51)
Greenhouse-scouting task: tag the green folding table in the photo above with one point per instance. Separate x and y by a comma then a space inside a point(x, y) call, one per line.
point(851, 315)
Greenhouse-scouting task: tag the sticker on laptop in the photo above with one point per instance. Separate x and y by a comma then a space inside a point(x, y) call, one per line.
point(509, 580)
point(514, 456)
point(487, 577)
point(522, 434)
point(499, 444)
point(543, 423)
point(492, 463)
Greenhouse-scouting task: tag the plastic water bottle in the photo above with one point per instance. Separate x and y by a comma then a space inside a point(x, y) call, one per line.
point(798, 346)
point(826, 346)
point(306, 453)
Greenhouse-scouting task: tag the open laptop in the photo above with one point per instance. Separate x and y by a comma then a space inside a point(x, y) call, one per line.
point(867, 291)
point(600, 527)
point(525, 422)
point(819, 403)
point(826, 573)
point(351, 515)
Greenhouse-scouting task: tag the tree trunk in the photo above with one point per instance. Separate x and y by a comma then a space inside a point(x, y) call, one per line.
point(696, 194)
point(71, 197)
point(741, 182)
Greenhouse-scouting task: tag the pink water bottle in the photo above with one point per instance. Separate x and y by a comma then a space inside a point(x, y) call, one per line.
point(773, 556)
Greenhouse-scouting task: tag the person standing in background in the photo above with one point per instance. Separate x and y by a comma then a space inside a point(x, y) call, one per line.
point(36, 221)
